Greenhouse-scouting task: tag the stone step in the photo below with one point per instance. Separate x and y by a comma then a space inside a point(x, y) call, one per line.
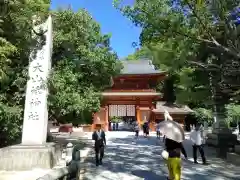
point(233, 158)
point(237, 149)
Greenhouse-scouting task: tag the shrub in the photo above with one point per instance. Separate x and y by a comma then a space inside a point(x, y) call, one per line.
point(203, 115)
point(10, 124)
point(233, 114)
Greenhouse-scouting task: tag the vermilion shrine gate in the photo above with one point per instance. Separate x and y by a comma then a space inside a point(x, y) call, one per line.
point(133, 95)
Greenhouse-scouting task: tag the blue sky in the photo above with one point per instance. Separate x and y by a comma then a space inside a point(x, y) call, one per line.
point(124, 33)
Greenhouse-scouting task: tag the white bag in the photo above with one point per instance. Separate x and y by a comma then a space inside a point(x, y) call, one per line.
point(165, 154)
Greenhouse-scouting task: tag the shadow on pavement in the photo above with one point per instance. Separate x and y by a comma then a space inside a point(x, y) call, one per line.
point(147, 175)
point(217, 169)
point(140, 159)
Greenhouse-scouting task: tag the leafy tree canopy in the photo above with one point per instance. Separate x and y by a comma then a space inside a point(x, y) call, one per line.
point(197, 42)
point(82, 63)
point(143, 52)
point(191, 39)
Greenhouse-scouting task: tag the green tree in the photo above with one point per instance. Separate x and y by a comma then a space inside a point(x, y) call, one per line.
point(15, 45)
point(233, 114)
point(203, 115)
point(83, 64)
point(143, 52)
point(194, 40)
point(82, 61)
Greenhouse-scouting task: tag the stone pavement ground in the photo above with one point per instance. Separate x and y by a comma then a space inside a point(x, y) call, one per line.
point(127, 158)
point(23, 175)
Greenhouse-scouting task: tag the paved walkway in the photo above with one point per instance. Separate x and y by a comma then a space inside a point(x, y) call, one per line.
point(131, 159)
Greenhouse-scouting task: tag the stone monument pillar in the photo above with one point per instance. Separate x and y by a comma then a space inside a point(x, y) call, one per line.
point(34, 152)
point(221, 136)
point(36, 111)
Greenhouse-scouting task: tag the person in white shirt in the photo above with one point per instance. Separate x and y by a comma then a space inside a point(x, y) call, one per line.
point(197, 140)
point(136, 128)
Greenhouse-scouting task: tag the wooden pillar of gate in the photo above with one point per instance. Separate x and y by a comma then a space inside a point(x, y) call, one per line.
point(93, 123)
point(152, 118)
point(138, 115)
point(106, 118)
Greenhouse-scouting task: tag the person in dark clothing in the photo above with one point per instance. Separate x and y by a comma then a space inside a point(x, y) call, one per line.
point(164, 137)
point(146, 129)
point(100, 142)
point(110, 125)
point(174, 150)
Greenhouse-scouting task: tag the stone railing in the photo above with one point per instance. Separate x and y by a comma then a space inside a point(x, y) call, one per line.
point(234, 157)
point(65, 173)
point(74, 159)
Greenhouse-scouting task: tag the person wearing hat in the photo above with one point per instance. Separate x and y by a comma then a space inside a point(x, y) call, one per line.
point(100, 142)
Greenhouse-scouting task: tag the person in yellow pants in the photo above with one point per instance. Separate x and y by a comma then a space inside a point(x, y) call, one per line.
point(174, 150)
point(174, 168)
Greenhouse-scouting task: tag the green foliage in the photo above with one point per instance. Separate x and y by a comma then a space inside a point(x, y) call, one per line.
point(193, 87)
point(10, 120)
point(233, 113)
point(6, 49)
point(143, 52)
point(203, 115)
point(15, 45)
point(82, 63)
point(194, 41)
point(115, 119)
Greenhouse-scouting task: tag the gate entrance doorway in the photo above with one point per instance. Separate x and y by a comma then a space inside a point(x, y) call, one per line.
point(126, 114)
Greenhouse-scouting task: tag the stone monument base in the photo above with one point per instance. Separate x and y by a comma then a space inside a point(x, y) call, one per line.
point(222, 139)
point(234, 157)
point(26, 157)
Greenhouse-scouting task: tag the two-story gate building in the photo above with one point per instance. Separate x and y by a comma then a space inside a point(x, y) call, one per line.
point(133, 95)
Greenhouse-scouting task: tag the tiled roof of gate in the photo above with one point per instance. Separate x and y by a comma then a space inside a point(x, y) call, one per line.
point(142, 66)
point(172, 109)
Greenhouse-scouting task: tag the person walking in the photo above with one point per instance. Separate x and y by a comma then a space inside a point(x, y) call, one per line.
point(146, 129)
point(174, 150)
point(100, 142)
point(197, 141)
point(158, 130)
point(164, 138)
point(136, 128)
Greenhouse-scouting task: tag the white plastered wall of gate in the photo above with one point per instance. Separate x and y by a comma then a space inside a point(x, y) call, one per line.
point(121, 110)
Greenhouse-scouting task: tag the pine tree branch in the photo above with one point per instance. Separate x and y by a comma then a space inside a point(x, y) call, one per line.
point(213, 40)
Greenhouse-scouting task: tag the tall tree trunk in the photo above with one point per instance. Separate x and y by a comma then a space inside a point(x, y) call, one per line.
point(218, 98)
point(169, 90)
